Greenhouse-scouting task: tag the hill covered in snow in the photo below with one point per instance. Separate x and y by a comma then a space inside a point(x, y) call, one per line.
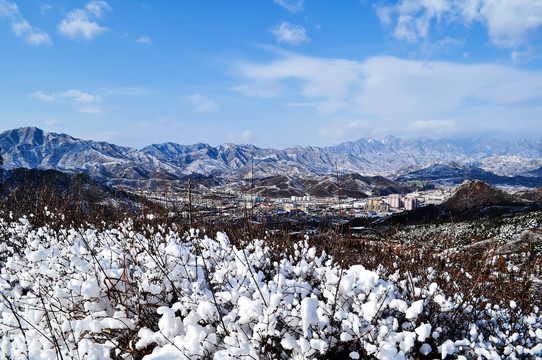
point(500, 162)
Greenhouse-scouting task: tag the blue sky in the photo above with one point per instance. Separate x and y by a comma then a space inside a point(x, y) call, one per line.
point(274, 73)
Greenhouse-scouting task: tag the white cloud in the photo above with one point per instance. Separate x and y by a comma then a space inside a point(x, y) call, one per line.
point(516, 56)
point(90, 110)
point(236, 137)
point(8, 9)
point(42, 96)
point(202, 103)
point(384, 14)
point(328, 80)
point(53, 122)
point(290, 34)
point(80, 23)
point(440, 128)
point(292, 6)
point(508, 22)
point(441, 45)
point(21, 27)
point(144, 40)
point(396, 87)
point(75, 95)
point(45, 8)
point(343, 129)
point(79, 96)
point(96, 8)
point(407, 97)
point(84, 102)
point(38, 38)
point(246, 135)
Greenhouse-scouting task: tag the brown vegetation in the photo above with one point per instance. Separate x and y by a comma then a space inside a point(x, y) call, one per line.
point(478, 276)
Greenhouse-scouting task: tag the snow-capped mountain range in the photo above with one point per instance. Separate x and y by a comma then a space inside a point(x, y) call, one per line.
point(392, 157)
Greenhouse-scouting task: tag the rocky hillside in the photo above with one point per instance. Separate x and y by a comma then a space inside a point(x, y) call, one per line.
point(532, 195)
point(473, 200)
point(476, 193)
point(351, 185)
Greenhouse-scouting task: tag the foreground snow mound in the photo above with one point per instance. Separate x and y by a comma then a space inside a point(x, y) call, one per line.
point(161, 294)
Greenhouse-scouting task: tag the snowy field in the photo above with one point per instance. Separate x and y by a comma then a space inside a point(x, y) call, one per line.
point(163, 294)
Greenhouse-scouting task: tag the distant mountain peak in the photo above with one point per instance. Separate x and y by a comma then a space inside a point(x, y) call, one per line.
point(457, 160)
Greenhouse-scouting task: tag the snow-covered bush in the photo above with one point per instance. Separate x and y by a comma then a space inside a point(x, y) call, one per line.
point(84, 293)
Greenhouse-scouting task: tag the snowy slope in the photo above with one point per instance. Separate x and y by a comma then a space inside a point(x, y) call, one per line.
point(34, 148)
point(89, 294)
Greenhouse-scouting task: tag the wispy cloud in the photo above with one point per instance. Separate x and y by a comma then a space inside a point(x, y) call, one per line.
point(45, 8)
point(517, 56)
point(84, 102)
point(80, 23)
point(326, 80)
point(407, 95)
point(508, 23)
point(90, 110)
point(53, 122)
point(440, 128)
point(246, 135)
point(144, 40)
point(234, 136)
point(32, 35)
point(44, 97)
point(441, 45)
point(20, 26)
point(341, 129)
point(72, 94)
point(129, 91)
point(290, 34)
point(78, 96)
point(264, 89)
point(202, 103)
point(292, 6)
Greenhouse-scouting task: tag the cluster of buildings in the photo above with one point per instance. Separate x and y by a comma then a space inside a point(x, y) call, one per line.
point(393, 202)
point(352, 207)
point(397, 201)
point(216, 206)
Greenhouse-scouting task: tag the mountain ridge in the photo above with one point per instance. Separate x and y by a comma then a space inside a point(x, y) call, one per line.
point(32, 147)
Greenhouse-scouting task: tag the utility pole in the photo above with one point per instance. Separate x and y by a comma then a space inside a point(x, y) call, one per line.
point(252, 187)
point(190, 202)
